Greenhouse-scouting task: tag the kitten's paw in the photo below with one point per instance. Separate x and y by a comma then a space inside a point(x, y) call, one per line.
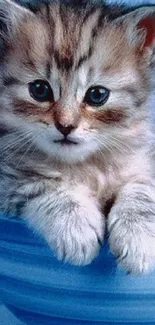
point(78, 240)
point(132, 240)
point(78, 249)
point(71, 223)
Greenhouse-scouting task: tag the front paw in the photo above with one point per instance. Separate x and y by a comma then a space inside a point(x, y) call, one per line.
point(132, 238)
point(78, 238)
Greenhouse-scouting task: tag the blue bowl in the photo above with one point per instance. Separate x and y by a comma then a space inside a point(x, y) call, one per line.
point(38, 289)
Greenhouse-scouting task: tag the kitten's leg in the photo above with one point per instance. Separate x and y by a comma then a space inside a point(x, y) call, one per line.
point(70, 221)
point(131, 226)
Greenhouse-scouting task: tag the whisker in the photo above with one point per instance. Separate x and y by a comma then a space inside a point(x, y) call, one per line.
point(120, 145)
point(12, 142)
point(14, 152)
point(11, 147)
point(26, 152)
point(124, 144)
point(107, 149)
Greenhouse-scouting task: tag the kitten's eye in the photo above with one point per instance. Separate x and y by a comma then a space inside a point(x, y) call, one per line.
point(41, 91)
point(96, 96)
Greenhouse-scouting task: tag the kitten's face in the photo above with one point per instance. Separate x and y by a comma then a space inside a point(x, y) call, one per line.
point(74, 86)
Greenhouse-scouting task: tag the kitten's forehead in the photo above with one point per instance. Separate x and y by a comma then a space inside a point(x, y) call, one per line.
point(71, 39)
point(74, 37)
point(69, 47)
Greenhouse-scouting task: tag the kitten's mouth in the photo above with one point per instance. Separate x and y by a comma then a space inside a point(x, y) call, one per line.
point(65, 142)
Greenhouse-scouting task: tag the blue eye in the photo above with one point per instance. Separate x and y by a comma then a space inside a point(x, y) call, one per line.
point(41, 91)
point(96, 96)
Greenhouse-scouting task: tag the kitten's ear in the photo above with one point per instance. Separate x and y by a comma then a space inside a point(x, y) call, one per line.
point(139, 27)
point(11, 14)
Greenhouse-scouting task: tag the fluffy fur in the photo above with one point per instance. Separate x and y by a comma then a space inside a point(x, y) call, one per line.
point(62, 191)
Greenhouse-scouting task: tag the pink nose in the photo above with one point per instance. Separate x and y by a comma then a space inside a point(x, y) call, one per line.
point(65, 130)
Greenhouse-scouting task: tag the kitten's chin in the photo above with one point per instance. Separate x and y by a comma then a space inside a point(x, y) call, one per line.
point(71, 152)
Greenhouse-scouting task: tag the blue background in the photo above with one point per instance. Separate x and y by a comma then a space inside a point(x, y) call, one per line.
point(40, 290)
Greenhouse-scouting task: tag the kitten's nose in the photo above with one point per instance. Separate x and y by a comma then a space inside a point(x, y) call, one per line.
point(65, 130)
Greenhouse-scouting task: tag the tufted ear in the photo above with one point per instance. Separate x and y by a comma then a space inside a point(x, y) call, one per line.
point(11, 14)
point(139, 26)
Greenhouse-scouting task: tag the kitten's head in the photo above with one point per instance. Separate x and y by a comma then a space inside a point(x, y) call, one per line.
point(74, 79)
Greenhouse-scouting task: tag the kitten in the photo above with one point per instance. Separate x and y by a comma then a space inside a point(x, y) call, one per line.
point(75, 82)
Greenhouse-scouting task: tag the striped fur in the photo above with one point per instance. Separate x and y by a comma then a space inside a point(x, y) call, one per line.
point(63, 190)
